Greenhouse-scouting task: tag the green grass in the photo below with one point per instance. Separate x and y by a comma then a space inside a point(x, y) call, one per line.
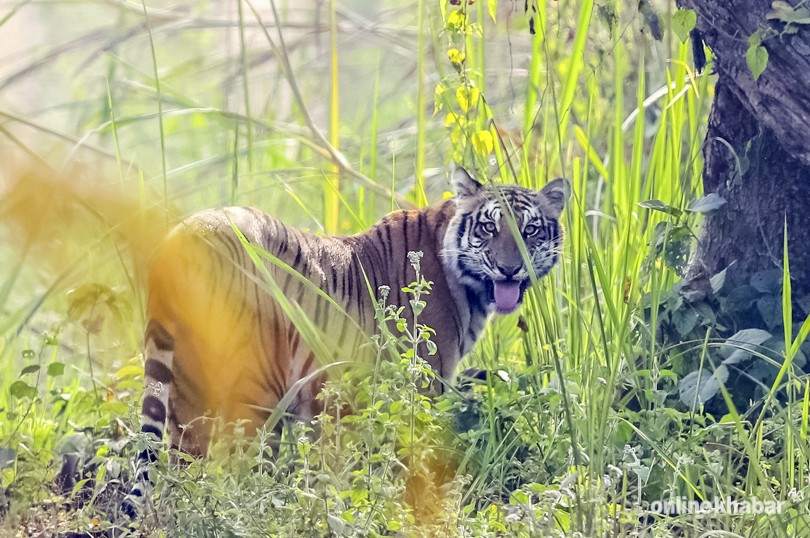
point(140, 114)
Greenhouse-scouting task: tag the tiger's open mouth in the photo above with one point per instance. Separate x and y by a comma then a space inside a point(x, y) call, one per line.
point(506, 294)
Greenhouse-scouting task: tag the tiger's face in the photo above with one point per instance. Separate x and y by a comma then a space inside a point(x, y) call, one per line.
point(502, 234)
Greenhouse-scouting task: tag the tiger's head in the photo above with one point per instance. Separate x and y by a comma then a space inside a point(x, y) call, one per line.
point(485, 239)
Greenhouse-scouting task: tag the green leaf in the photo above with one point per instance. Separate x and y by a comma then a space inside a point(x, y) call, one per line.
point(519, 497)
point(718, 281)
point(336, 524)
point(21, 389)
point(706, 313)
point(56, 369)
point(756, 56)
point(740, 299)
point(417, 306)
point(770, 308)
point(492, 9)
point(684, 320)
point(658, 205)
point(431, 347)
point(782, 11)
point(682, 23)
point(699, 386)
point(31, 368)
point(706, 204)
point(740, 345)
point(768, 281)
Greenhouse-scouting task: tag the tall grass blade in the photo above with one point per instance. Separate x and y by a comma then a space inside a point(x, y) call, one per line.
point(331, 199)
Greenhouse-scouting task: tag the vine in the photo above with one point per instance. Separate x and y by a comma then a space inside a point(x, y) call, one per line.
point(460, 95)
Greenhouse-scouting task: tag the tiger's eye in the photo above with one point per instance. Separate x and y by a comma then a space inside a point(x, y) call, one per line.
point(489, 227)
point(530, 230)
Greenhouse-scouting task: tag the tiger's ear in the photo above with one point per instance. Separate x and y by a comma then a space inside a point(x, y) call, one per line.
point(556, 193)
point(463, 183)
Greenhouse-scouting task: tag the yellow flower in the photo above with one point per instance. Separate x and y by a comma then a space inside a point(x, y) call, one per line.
point(454, 119)
point(456, 56)
point(483, 143)
point(456, 20)
point(467, 97)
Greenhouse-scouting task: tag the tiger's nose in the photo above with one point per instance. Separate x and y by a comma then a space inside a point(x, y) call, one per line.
point(509, 271)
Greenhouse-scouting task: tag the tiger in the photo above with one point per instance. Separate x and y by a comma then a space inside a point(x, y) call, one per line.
point(220, 340)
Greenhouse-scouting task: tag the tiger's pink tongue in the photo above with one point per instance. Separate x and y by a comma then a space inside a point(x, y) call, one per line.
point(507, 295)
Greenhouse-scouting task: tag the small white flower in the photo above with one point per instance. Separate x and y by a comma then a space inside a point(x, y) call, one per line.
point(414, 258)
point(795, 496)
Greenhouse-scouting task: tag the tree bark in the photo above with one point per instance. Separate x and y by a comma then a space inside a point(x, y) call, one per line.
point(757, 148)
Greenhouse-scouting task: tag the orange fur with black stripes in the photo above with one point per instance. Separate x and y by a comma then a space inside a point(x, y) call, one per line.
point(219, 341)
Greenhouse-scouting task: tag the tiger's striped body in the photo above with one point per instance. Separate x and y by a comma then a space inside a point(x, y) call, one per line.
point(234, 349)
point(218, 343)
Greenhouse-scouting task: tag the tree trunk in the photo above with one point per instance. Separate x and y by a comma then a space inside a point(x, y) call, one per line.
point(757, 149)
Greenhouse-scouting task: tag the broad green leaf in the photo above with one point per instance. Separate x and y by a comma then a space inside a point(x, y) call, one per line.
point(740, 299)
point(658, 205)
point(707, 203)
point(21, 389)
point(700, 386)
point(684, 320)
point(682, 23)
point(740, 345)
point(756, 56)
point(770, 308)
point(767, 281)
point(336, 524)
